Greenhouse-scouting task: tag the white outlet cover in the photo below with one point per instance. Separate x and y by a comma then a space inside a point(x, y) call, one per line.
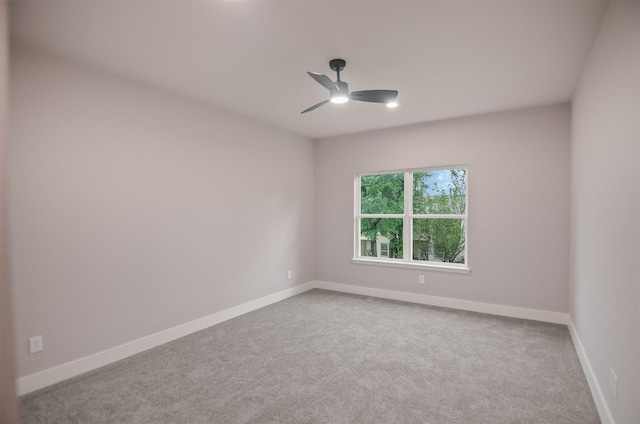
point(35, 344)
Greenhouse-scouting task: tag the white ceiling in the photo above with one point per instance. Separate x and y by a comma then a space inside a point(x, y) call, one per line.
point(447, 58)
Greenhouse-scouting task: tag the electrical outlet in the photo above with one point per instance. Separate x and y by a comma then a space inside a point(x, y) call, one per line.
point(289, 274)
point(35, 344)
point(613, 383)
point(421, 279)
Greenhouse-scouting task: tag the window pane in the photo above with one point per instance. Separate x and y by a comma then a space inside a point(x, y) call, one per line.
point(441, 191)
point(439, 240)
point(382, 193)
point(376, 233)
point(384, 250)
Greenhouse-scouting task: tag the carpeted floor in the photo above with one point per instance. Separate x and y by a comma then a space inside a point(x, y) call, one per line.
point(326, 357)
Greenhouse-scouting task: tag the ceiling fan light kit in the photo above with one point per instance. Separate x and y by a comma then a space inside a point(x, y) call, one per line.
point(339, 90)
point(338, 98)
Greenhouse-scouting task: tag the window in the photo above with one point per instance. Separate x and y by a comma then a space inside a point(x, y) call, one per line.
point(412, 218)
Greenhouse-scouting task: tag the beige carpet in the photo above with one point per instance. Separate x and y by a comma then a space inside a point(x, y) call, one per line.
point(326, 357)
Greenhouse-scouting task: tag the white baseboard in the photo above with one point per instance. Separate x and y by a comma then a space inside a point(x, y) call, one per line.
point(489, 308)
point(65, 371)
point(467, 305)
point(596, 390)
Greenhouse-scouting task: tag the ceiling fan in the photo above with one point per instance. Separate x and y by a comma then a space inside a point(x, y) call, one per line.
point(339, 90)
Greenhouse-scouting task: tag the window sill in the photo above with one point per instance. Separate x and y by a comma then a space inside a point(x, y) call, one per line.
point(413, 265)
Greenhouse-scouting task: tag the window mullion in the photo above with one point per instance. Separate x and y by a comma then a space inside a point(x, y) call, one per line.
point(381, 215)
point(441, 216)
point(356, 244)
point(408, 222)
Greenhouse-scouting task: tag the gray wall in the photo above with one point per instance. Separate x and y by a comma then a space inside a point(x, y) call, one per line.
point(605, 233)
point(518, 237)
point(134, 211)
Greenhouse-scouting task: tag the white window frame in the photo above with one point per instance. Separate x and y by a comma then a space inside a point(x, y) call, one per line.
point(407, 217)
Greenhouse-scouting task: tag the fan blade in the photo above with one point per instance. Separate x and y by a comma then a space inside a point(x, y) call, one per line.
point(323, 80)
point(374, 96)
point(314, 107)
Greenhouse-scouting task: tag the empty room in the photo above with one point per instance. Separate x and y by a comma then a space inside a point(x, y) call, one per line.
point(323, 211)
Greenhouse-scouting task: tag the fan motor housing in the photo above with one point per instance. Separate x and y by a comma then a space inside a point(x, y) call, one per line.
point(342, 86)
